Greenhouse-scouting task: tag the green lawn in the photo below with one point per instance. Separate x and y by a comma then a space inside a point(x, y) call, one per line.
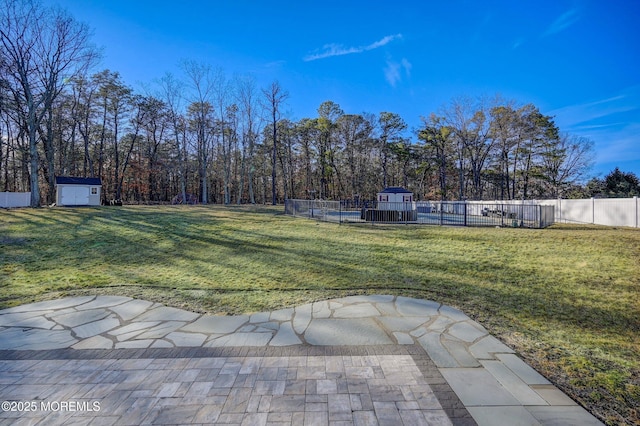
point(566, 298)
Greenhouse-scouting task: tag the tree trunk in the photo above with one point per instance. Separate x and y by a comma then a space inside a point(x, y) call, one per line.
point(274, 158)
point(33, 168)
point(49, 153)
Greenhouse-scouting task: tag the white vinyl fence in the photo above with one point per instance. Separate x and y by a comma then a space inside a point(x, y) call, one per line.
point(15, 199)
point(597, 211)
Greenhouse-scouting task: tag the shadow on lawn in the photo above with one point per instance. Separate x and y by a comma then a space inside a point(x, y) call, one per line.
point(149, 237)
point(200, 239)
point(468, 269)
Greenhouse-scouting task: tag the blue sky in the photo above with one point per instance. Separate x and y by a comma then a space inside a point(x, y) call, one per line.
point(576, 60)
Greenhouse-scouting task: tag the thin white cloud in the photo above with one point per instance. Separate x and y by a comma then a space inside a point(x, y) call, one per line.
point(612, 122)
point(332, 49)
point(586, 113)
point(597, 127)
point(407, 66)
point(517, 43)
point(617, 146)
point(384, 41)
point(563, 22)
point(393, 71)
point(275, 64)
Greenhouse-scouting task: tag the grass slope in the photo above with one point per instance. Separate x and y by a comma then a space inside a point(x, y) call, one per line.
point(566, 298)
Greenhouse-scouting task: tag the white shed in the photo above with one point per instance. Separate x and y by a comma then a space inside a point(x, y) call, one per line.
point(396, 198)
point(76, 191)
point(394, 204)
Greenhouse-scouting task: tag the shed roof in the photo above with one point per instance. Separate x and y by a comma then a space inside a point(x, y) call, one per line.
point(395, 190)
point(69, 180)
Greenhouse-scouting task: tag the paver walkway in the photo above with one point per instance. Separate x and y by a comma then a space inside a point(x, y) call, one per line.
point(360, 360)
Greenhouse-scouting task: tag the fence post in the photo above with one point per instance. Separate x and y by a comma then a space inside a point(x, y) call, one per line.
point(465, 212)
point(593, 211)
point(404, 213)
point(637, 212)
point(559, 210)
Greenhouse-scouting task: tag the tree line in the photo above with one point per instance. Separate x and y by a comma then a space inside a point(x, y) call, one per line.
point(616, 184)
point(210, 138)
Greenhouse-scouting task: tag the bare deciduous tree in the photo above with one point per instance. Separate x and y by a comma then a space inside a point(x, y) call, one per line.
point(247, 101)
point(171, 89)
point(42, 49)
point(274, 95)
point(201, 112)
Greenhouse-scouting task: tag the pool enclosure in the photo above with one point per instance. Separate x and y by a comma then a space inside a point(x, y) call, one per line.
point(455, 213)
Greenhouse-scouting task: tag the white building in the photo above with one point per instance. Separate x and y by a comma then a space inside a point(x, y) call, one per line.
point(75, 191)
point(396, 198)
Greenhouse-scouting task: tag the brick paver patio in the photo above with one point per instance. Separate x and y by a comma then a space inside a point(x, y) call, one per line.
point(362, 360)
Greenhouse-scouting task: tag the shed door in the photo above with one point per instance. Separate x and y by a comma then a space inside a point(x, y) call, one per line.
point(75, 196)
